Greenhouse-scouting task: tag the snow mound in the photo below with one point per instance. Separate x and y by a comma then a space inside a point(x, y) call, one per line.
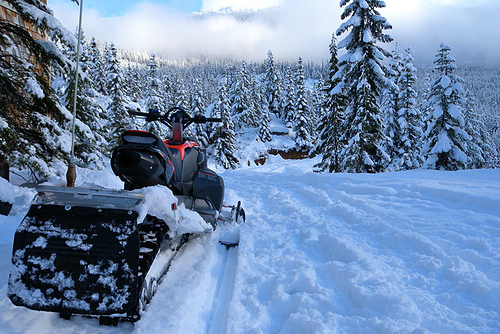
point(159, 201)
point(6, 191)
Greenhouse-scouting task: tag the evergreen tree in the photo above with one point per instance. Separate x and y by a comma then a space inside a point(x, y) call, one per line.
point(425, 105)
point(224, 150)
point(445, 139)
point(303, 138)
point(288, 101)
point(257, 103)
point(119, 118)
point(329, 127)
point(239, 96)
point(168, 89)
point(318, 104)
point(390, 107)
point(409, 119)
point(480, 148)
point(34, 127)
point(134, 81)
point(264, 130)
point(153, 96)
point(272, 85)
point(95, 66)
point(153, 100)
point(180, 96)
point(363, 80)
point(198, 108)
point(90, 134)
point(105, 56)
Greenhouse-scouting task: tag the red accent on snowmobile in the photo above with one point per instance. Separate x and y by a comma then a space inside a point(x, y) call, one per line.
point(173, 167)
point(181, 148)
point(141, 131)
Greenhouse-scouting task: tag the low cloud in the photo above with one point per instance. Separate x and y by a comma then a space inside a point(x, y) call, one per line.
point(292, 28)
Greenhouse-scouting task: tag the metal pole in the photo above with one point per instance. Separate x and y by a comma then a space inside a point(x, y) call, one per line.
point(71, 174)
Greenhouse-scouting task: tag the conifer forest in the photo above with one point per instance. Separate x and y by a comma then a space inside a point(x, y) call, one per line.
point(370, 108)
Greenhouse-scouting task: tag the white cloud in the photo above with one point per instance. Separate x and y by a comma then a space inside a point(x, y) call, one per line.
point(215, 5)
point(295, 28)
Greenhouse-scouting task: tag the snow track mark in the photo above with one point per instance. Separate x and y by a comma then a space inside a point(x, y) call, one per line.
point(223, 291)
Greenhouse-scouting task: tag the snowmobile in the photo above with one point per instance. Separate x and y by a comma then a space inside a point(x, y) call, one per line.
point(84, 251)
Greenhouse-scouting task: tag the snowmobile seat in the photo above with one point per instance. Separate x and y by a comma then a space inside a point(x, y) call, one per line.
point(142, 160)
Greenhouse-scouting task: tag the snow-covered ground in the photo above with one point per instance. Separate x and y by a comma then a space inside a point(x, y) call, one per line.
point(405, 252)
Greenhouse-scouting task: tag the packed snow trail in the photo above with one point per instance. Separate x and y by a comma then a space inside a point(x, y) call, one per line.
point(404, 252)
point(387, 253)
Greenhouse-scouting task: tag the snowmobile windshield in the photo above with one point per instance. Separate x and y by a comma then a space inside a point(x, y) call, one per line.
point(134, 139)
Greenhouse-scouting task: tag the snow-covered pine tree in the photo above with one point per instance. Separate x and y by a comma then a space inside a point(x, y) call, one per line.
point(224, 148)
point(303, 140)
point(105, 57)
point(390, 107)
point(363, 76)
point(34, 126)
point(118, 115)
point(329, 128)
point(198, 108)
point(257, 103)
point(95, 66)
point(134, 81)
point(90, 134)
point(446, 139)
point(288, 100)
point(480, 148)
point(153, 99)
point(264, 130)
point(239, 96)
point(180, 96)
point(168, 89)
point(272, 87)
point(409, 119)
point(424, 104)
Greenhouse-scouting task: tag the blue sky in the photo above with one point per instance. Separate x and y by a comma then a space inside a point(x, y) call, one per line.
point(296, 28)
point(109, 8)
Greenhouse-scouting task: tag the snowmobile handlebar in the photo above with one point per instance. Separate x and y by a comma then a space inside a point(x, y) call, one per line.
point(174, 115)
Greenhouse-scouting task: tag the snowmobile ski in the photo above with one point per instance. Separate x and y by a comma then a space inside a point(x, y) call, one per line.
point(228, 224)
